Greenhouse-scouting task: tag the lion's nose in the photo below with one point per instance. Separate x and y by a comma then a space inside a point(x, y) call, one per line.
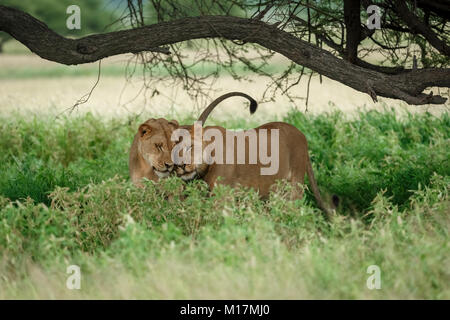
point(168, 165)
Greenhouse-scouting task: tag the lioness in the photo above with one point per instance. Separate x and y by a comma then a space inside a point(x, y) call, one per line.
point(150, 153)
point(292, 158)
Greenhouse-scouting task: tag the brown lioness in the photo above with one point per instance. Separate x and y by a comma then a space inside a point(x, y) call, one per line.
point(150, 153)
point(287, 145)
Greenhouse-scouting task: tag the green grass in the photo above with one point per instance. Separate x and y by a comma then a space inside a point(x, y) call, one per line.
point(65, 198)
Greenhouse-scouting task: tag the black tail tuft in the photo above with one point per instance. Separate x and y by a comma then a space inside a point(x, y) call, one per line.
point(253, 106)
point(335, 200)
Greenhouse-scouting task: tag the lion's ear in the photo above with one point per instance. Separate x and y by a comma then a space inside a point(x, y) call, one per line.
point(174, 123)
point(144, 129)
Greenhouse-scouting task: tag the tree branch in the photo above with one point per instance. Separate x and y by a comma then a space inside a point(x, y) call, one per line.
point(439, 7)
point(51, 46)
point(416, 25)
point(340, 49)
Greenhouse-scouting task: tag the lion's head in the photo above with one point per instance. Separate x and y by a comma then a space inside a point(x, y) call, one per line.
point(189, 170)
point(154, 144)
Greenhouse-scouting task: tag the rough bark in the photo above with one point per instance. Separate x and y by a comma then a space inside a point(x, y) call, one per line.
point(34, 34)
point(353, 28)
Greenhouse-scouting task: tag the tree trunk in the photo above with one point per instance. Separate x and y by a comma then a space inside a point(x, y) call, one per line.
point(2, 42)
point(353, 28)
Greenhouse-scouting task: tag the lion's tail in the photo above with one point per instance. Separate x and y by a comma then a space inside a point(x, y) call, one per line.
point(315, 189)
point(205, 114)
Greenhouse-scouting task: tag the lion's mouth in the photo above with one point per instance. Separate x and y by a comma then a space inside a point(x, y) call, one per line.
point(162, 173)
point(189, 175)
point(184, 175)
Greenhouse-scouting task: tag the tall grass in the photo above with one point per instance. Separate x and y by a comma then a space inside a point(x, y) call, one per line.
point(357, 159)
point(65, 198)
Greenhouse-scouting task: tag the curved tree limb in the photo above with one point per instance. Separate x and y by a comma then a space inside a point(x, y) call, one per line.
point(34, 34)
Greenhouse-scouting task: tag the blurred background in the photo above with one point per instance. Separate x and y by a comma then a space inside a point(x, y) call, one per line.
point(31, 85)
